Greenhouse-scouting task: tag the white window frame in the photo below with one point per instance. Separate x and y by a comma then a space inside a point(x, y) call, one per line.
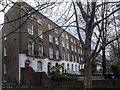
point(30, 29)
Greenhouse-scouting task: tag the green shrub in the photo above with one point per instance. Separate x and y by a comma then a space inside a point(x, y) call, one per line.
point(59, 77)
point(115, 68)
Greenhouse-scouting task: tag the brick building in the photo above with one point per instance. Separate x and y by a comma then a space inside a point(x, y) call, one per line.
point(33, 40)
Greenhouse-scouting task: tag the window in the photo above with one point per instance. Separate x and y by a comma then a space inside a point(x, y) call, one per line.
point(30, 15)
point(67, 66)
point(5, 52)
point(72, 48)
point(66, 36)
point(51, 52)
point(39, 66)
point(78, 50)
point(63, 44)
point(5, 38)
point(79, 59)
point(49, 26)
point(75, 58)
point(62, 34)
point(57, 54)
point(74, 42)
point(5, 69)
point(40, 50)
point(78, 44)
point(30, 48)
point(56, 30)
point(67, 45)
point(30, 29)
point(50, 38)
point(75, 49)
point(72, 58)
point(63, 55)
point(40, 34)
point(39, 20)
point(76, 67)
point(72, 66)
point(56, 41)
point(71, 40)
point(68, 57)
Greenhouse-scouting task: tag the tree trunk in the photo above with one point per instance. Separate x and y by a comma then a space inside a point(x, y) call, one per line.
point(88, 75)
point(88, 64)
point(103, 61)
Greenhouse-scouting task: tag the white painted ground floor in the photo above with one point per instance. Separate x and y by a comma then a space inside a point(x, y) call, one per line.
point(43, 65)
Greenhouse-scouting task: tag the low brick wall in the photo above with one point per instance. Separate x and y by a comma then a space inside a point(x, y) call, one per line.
point(41, 78)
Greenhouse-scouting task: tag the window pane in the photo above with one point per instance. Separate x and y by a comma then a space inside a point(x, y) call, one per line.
point(51, 52)
point(57, 54)
point(40, 33)
point(49, 26)
point(39, 20)
point(30, 29)
point(50, 38)
point(56, 30)
point(40, 50)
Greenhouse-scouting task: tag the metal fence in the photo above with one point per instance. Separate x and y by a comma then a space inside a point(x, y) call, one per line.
point(40, 88)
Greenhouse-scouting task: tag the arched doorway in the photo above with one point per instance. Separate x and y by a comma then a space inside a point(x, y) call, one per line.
point(62, 67)
point(72, 67)
point(56, 64)
point(49, 65)
point(67, 66)
point(27, 63)
point(39, 66)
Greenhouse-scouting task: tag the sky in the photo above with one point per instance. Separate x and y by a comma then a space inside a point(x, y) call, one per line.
point(53, 17)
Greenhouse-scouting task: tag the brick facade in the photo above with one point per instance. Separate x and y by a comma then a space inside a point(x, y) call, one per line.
point(23, 45)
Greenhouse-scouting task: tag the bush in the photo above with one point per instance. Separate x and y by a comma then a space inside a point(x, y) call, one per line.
point(116, 70)
point(59, 77)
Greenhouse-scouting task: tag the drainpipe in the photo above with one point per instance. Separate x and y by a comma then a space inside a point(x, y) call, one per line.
point(1, 60)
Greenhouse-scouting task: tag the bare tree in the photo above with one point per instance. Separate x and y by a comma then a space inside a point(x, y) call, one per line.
point(86, 12)
point(89, 54)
